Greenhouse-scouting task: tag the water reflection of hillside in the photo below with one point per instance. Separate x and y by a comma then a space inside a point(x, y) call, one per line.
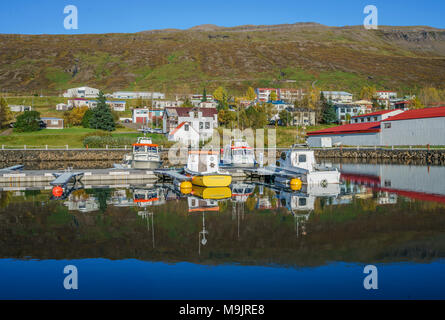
point(257, 224)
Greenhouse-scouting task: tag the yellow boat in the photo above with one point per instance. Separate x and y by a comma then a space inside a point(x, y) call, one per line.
point(213, 180)
point(217, 193)
point(202, 166)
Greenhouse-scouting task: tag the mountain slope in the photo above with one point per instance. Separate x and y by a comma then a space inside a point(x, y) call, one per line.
point(181, 61)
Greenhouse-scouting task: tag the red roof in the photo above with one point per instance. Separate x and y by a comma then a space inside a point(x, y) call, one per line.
point(435, 112)
point(373, 113)
point(177, 128)
point(184, 112)
point(349, 128)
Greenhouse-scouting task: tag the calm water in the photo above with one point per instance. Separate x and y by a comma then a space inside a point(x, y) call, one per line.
point(253, 242)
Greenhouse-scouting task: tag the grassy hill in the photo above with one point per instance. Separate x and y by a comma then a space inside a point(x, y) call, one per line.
point(181, 61)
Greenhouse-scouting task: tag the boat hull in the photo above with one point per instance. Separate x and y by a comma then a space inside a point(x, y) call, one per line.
point(212, 180)
point(216, 193)
point(144, 164)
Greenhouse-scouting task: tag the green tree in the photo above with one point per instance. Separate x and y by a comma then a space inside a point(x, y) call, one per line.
point(250, 94)
point(27, 122)
point(328, 112)
point(5, 113)
point(204, 95)
point(86, 118)
point(102, 118)
point(285, 117)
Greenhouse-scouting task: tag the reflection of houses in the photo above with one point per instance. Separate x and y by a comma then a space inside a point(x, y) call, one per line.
point(82, 203)
point(416, 182)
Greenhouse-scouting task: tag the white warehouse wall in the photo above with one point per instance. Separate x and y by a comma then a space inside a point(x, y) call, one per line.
point(414, 132)
point(355, 139)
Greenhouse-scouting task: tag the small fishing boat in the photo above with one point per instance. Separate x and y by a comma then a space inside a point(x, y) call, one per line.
point(296, 167)
point(238, 154)
point(145, 155)
point(203, 167)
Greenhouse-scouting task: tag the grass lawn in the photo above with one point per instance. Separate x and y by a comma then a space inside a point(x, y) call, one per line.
point(61, 137)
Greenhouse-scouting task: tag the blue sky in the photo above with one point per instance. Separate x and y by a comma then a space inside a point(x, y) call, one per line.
point(100, 16)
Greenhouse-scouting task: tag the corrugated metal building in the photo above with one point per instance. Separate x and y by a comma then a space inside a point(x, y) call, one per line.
point(412, 127)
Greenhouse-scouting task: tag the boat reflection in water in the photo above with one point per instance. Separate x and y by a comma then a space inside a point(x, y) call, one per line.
point(275, 241)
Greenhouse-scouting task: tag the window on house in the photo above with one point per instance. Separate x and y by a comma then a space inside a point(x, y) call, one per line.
point(207, 125)
point(54, 122)
point(201, 125)
point(186, 127)
point(362, 119)
point(375, 118)
point(387, 125)
point(342, 110)
point(369, 118)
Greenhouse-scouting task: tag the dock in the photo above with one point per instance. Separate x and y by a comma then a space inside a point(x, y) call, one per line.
point(54, 177)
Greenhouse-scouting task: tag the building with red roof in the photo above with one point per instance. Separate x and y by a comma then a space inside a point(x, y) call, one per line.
point(412, 127)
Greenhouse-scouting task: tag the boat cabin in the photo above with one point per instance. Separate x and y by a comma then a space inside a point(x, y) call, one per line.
point(300, 158)
point(203, 162)
point(238, 153)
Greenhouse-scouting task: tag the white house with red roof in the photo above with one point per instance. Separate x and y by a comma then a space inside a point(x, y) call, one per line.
point(185, 134)
point(375, 116)
point(412, 127)
point(203, 120)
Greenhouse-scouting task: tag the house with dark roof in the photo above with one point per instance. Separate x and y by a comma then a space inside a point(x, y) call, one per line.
point(412, 127)
point(203, 120)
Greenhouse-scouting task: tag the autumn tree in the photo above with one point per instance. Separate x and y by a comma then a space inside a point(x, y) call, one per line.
point(416, 103)
point(273, 96)
point(250, 94)
point(368, 93)
point(5, 113)
point(75, 116)
point(220, 94)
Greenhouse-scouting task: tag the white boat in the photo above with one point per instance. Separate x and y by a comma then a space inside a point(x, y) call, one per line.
point(303, 161)
point(238, 154)
point(145, 155)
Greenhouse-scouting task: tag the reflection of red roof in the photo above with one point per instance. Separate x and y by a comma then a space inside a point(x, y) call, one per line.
point(377, 113)
point(419, 114)
point(349, 128)
point(361, 178)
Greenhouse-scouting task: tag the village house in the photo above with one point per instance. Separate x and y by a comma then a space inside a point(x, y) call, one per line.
point(263, 94)
point(303, 117)
point(81, 102)
point(52, 123)
point(162, 104)
point(290, 95)
point(384, 97)
point(196, 99)
point(375, 116)
point(145, 116)
point(346, 111)
point(203, 120)
point(412, 127)
point(81, 92)
point(19, 108)
point(62, 107)
point(137, 95)
point(185, 134)
point(208, 104)
point(338, 96)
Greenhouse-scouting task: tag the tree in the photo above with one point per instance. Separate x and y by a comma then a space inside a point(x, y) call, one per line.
point(273, 96)
point(86, 118)
point(75, 116)
point(27, 122)
point(368, 93)
point(328, 113)
point(5, 113)
point(187, 103)
point(416, 103)
point(285, 117)
point(204, 95)
point(102, 117)
point(220, 94)
point(250, 94)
